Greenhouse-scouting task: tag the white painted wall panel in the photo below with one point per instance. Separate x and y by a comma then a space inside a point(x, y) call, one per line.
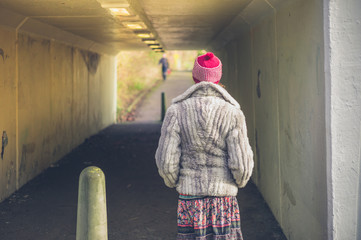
point(34, 106)
point(343, 26)
point(108, 90)
point(65, 94)
point(61, 99)
point(80, 124)
point(7, 111)
point(285, 92)
point(265, 97)
point(302, 120)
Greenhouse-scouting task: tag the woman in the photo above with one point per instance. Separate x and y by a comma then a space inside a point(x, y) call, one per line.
point(205, 154)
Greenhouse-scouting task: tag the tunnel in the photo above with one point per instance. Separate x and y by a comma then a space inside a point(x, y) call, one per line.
point(293, 65)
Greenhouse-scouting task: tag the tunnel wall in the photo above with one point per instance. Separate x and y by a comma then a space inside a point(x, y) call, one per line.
point(343, 104)
point(52, 97)
point(275, 70)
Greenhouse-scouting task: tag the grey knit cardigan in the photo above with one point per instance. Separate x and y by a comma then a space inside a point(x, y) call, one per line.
point(204, 149)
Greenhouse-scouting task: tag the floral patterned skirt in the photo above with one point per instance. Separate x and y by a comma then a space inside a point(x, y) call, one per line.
point(205, 218)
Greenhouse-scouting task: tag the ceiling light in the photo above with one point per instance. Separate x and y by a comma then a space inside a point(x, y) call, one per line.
point(154, 45)
point(149, 41)
point(120, 11)
point(118, 7)
point(134, 25)
point(144, 35)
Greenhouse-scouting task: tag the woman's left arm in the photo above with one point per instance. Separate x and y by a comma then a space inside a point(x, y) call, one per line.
point(240, 153)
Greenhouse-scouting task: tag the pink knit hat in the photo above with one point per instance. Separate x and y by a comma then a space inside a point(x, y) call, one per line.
point(207, 68)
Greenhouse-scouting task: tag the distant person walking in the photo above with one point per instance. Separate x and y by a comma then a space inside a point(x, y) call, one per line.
point(165, 66)
point(205, 154)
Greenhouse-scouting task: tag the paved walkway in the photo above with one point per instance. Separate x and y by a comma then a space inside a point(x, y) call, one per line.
point(150, 109)
point(140, 207)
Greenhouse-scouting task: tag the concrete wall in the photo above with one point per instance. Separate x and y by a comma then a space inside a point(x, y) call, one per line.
point(343, 78)
point(8, 111)
point(52, 96)
point(275, 69)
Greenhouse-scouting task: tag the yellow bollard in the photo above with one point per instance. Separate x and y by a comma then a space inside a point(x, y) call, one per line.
point(92, 209)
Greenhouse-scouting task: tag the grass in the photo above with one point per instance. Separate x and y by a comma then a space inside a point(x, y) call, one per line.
point(138, 71)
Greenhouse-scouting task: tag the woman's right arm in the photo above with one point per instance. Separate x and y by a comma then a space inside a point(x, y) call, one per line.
point(168, 152)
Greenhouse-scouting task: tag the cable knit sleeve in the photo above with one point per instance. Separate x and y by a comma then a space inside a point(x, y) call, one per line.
point(168, 152)
point(240, 153)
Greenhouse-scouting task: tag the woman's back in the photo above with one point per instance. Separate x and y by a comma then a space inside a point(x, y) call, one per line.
point(205, 115)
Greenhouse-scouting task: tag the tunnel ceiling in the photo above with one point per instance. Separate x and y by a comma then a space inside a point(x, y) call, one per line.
point(186, 24)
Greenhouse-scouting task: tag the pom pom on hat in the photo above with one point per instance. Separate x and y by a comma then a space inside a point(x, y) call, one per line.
point(207, 68)
point(208, 60)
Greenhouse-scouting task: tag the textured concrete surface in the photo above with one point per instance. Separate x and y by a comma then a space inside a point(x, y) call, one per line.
point(92, 221)
point(52, 97)
point(343, 106)
point(8, 107)
point(275, 70)
point(140, 206)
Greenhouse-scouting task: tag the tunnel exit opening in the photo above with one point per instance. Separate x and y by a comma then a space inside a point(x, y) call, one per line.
point(140, 72)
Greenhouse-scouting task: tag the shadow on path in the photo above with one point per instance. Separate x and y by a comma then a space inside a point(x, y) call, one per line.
point(139, 204)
